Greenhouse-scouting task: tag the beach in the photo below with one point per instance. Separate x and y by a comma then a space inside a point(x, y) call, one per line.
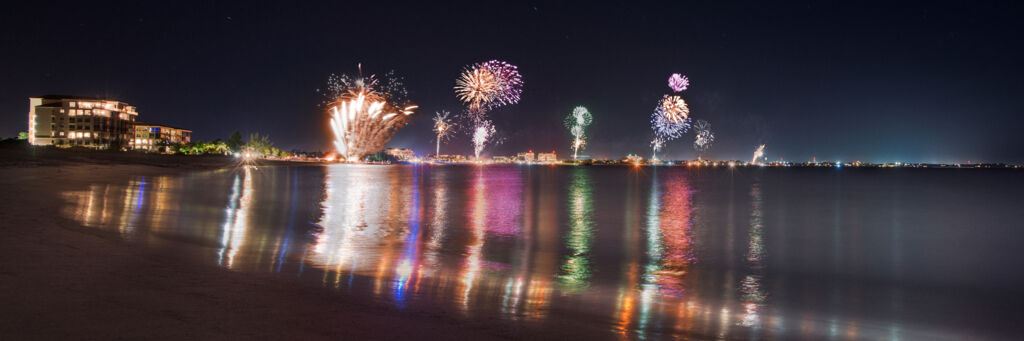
point(60, 280)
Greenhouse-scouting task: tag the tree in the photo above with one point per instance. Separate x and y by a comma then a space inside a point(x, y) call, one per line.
point(259, 144)
point(23, 135)
point(234, 142)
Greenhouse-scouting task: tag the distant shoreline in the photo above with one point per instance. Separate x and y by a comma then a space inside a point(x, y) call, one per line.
point(24, 156)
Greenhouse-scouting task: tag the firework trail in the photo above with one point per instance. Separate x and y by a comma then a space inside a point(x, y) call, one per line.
point(704, 136)
point(483, 132)
point(678, 82)
point(366, 112)
point(759, 152)
point(577, 122)
point(443, 127)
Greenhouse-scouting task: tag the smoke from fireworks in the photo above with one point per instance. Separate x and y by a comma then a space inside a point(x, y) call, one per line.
point(759, 152)
point(483, 132)
point(577, 122)
point(678, 82)
point(443, 127)
point(704, 136)
point(489, 85)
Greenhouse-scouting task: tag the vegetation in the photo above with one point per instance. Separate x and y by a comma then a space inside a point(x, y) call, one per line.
point(234, 142)
point(261, 145)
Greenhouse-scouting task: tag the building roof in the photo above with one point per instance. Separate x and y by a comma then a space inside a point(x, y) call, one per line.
point(51, 96)
point(159, 125)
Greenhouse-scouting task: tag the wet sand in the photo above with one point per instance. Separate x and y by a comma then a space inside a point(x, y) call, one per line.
point(61, 280)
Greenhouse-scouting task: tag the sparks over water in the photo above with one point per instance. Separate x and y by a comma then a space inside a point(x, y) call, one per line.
point(481, 135)
point(485, 86)
point(703, 138)
point(577, 122)
point(365, 113)
point(442, 127)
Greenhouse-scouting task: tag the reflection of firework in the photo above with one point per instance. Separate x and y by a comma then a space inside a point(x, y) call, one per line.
point(704, 136)
point(577, 121)
point(483, 132)
point(759, 152)
point(678, 82)
point(366, 112)
point(489, 85)
point(442, 127)
point(363, 123)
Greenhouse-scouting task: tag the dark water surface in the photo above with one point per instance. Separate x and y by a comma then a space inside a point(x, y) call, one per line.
point(653, 252)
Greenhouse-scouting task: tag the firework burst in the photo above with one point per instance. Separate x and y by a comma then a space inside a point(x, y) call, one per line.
point(704, 136)
point(489, 85)
point(668, 126)
point(366, 112)
point(485, 86)
point(481, 135)
point(678, 82)
point(389, 85)
point(577, 122)
point(364, 123)
point(443, 127)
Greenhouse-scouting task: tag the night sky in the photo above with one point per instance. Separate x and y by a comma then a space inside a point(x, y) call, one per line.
point(926, 82)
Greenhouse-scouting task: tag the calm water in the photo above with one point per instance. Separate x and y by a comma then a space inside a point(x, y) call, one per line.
point(654, 252)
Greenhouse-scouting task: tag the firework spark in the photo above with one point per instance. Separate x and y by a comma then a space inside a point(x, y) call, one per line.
point(489, 85)
point(674, 108)
point(364, 123)
point(704, 136)
point(759, 152)
point(483, 133)
point(667, 125)
point(656, 144)
point(577, 122)
point(443, 127)
point(389, 85)
point(678, 82)
point(366, 112)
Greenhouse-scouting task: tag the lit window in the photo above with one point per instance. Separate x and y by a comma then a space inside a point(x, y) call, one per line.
point(71, 104)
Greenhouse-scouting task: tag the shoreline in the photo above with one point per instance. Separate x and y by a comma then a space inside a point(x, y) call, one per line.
point(60, 279)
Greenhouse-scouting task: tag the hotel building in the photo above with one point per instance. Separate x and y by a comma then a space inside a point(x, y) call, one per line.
point(150, 136)
point(68, 121)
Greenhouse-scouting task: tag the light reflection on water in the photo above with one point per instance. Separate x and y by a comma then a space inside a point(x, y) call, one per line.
point(649, 253)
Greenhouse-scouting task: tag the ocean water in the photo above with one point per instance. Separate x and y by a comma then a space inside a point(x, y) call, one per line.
point(635, 252)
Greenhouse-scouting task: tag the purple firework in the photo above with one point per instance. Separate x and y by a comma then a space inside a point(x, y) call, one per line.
point(678, 82)
point(509, 82)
